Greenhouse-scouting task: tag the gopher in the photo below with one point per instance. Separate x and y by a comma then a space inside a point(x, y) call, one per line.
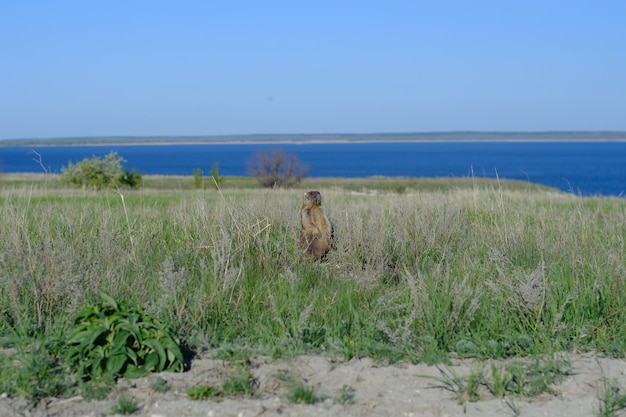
point(316, 233)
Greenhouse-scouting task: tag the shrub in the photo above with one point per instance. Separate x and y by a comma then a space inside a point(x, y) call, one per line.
point(109, 338)
point(276, 168)
point(131, 178)
point(215, 175)
point(198, 180)
point(98, 173)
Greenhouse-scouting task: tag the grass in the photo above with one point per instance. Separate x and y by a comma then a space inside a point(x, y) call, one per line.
point(422, 269)
point(345, 395)
point(242, 382)
point(612, 399)
point(203, 392)
point(520, 378)
point(125, 406)
point(301, 393)
point(239, 383)
point(160, 385)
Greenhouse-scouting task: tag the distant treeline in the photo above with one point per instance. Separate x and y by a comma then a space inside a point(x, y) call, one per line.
point(330, 137)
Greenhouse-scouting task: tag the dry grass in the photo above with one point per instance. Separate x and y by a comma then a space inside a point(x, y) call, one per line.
point(479, 269)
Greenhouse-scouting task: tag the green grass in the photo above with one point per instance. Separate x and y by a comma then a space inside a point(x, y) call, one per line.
point(612, 399)
point(520, 378)
point(300, 393)
point(159, 385)
point(125, 406)
point(203, 392)
point(422, 268)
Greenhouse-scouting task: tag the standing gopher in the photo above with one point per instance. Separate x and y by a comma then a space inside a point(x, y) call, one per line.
point(316, 233)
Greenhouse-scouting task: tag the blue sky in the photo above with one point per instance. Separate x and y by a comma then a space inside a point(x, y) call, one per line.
point(96, 68)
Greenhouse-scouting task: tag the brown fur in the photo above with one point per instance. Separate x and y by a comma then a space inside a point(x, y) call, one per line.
point(316, 233)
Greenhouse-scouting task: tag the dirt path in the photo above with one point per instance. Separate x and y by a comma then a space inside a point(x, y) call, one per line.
point(400, 390)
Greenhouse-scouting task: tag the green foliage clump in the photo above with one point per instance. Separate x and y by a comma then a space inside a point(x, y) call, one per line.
point(98, 173)
point(33, 371)
point(215, 175)
point(198, 180)
point(612, 399)
point(125, 406)
point(130, 177)
point(300, 393)
point(203, 392)
point(111, 339)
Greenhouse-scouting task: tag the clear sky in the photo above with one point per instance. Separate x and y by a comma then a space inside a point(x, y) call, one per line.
point(134, 67)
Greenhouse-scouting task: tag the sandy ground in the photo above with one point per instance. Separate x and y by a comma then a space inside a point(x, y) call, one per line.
point(399, 390)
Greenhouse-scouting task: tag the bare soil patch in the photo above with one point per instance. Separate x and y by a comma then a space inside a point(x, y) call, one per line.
point(398, 390)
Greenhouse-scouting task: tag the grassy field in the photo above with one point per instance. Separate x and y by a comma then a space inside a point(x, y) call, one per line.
point(423, 269)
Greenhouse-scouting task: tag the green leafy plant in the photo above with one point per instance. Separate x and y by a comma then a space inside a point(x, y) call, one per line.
point(203, 392)
point(110, 338)
point(130, 177)
point(97, 173)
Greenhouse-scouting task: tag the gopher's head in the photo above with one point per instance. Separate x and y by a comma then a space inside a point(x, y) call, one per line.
point(312, 198)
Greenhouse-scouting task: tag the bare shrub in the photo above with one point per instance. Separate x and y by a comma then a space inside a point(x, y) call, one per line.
point(277, 169)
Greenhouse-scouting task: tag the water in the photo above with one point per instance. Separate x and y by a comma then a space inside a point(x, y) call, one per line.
point(586, 168)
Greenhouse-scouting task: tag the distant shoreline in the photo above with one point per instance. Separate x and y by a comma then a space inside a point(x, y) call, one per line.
point(304, 143)
point(324, 138)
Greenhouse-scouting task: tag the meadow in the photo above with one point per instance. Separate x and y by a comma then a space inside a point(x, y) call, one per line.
point(424, 270)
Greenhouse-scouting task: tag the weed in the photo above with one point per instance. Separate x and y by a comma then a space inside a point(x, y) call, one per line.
point(345, 395)
point(109, 338)
point(33, 371)
point(159, 385)
point(612, 399)
point(96, 389)
point(538, 375)
point(203, 392)
point(125, 406)
point(497, 385)
point(299, 392)
point(464, 388)
point(241, 382)
point(522, 378)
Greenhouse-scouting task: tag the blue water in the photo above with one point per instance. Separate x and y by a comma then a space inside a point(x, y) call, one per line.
point(586, 168)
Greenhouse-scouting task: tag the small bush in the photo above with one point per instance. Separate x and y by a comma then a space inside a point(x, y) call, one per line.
point(98, 173)
point(215, 175)
point(277, 169)
point(130, 178)
point(112, 339)
point(198, 180)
